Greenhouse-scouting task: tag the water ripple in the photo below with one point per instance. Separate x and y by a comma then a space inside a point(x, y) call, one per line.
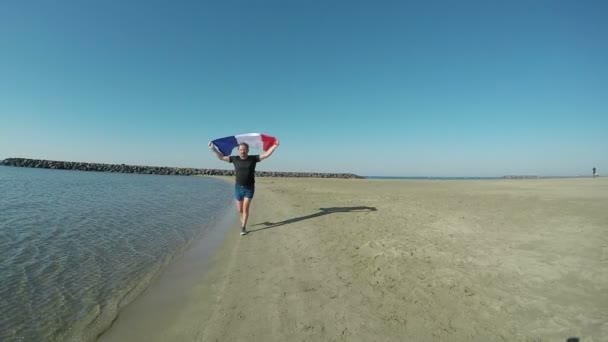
point(76, 246)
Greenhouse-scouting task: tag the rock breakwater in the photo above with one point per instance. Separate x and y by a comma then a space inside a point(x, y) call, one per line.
point(156, 170)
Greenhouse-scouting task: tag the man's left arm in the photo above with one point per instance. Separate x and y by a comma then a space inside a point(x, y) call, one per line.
point(270, 151)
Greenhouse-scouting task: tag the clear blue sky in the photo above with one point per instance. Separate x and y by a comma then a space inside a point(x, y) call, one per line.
point(425, 88)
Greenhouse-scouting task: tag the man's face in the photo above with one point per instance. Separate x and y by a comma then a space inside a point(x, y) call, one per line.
point(243, 150)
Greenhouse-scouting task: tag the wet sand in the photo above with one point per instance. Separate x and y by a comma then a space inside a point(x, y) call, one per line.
point(401, 260)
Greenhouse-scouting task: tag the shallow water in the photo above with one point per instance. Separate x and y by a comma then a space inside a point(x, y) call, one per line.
point(76, 247)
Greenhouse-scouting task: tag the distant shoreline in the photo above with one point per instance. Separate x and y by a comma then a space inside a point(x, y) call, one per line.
point(158, 170)
point(473, 178)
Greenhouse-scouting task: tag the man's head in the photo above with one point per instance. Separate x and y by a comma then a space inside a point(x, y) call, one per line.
point(243, 150)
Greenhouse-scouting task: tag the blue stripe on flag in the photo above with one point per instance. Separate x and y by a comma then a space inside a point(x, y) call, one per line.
point(226, 145)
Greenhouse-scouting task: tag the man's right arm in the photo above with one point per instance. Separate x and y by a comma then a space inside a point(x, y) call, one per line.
point(218, 154)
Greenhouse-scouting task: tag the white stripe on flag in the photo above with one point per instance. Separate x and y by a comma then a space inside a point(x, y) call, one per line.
point(254, 140)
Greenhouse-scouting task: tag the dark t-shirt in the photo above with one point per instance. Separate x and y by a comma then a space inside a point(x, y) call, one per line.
point(245, 169)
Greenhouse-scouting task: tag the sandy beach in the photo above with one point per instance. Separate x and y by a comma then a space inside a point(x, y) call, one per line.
point(401, 260)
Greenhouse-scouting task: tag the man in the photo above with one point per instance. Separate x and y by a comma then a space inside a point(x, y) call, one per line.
point(244, 167)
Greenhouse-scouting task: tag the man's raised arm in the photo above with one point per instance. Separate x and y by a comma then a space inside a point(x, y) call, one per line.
point(270, 151)
point(218, 154)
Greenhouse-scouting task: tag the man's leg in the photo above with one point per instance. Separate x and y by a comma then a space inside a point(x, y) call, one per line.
point(245, 212)
point(239, 208)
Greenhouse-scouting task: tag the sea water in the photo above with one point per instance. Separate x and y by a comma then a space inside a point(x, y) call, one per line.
point(76, 247)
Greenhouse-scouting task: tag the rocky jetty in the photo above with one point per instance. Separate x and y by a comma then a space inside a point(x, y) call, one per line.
point(156, 170)
point(520, 177)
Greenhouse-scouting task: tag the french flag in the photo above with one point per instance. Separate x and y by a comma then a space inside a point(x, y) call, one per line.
point(254, 140)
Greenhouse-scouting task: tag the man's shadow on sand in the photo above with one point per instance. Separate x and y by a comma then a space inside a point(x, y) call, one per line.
point(323, 211)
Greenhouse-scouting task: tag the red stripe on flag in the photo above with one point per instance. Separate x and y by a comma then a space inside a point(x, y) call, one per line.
point(268, 141)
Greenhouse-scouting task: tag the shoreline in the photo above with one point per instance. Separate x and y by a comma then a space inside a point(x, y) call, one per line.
point(167, 291)
point(339, 259)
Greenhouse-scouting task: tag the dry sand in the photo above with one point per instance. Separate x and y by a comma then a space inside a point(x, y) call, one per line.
point(403, 260)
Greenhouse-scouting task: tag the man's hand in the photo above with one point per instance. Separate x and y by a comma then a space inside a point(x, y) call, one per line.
point(217, 153)
point(270, 150)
